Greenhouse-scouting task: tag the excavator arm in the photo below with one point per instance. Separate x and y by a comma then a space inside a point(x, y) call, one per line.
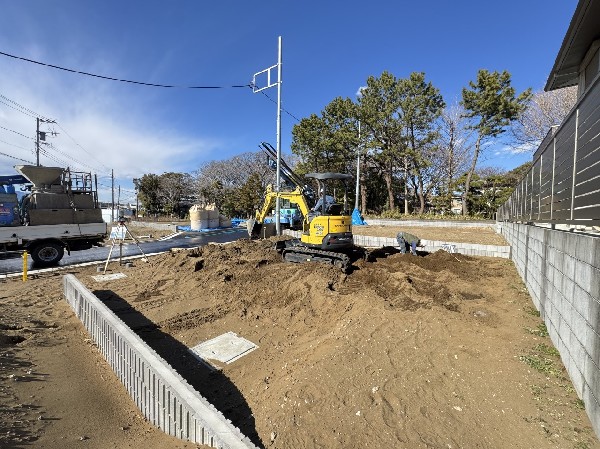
point(295, 196)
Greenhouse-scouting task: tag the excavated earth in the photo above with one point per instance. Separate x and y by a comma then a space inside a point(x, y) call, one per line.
point(430, 351)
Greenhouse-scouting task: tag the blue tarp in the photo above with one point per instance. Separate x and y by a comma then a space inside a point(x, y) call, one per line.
point(235, 222)
point(357, 219)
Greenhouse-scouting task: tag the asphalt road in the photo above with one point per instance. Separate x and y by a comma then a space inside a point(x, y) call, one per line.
point(12, 262)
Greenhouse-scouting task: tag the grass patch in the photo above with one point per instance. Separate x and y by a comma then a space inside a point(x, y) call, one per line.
point(581, 445)
point(578, 403)
point(547, 350)
point(545, 359)
point(540, 331)
point(530, 310)
point(544, 365)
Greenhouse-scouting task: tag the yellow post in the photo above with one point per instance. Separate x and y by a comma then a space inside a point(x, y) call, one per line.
point(24, 266)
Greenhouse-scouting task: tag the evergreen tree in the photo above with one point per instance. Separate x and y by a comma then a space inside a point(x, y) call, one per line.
point(492, 104)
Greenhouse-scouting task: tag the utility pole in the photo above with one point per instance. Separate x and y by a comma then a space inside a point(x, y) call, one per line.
point(37, 143)
point(112, 207)
point(256, 89)
point(137, 203)
point(41, 135)
point(357, 169)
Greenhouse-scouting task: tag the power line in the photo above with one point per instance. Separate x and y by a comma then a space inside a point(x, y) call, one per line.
point(83, 164)
point(17, 158)
point(87, 152)
point(273, 101)
point(16, 146)
point(22, 108)
point(16, 132)
point(110, 78)
point(53, 157)
point(16, 109)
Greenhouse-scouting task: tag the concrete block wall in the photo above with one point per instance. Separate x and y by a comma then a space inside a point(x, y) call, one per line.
point(562, 273)
point(162, 395)
point(431, 223)
point(468, 249)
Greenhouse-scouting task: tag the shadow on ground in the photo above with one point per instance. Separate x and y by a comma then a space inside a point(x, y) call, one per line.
point(217, 388)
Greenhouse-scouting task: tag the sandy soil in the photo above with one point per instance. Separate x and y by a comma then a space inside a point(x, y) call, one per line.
point(436, 351)
point(481, 236)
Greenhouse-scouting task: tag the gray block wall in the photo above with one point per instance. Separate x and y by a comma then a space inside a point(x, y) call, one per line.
point(162, 395)
point(468, 249)
point(431, 223)
point(562, 273)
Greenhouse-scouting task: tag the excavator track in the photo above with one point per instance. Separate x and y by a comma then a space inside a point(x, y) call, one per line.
point(301, 254)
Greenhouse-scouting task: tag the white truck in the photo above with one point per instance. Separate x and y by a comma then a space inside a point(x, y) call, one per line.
point(60, 212)
point(47, 243)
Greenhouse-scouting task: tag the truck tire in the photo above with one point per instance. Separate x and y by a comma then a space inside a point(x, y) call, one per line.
point(48, 253)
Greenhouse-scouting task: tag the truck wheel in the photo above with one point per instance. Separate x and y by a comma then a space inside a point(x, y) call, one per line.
point(48, 253)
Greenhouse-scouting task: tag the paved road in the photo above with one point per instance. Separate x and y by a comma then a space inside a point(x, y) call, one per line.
point(13, 263)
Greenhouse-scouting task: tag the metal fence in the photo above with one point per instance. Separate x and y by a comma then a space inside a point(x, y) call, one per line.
point(563, 185)
point(162, 395)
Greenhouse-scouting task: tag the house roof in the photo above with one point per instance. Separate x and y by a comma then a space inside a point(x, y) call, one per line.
point(583, 30)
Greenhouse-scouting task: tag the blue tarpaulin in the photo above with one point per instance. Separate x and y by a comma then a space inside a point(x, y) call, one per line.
point(357, 219)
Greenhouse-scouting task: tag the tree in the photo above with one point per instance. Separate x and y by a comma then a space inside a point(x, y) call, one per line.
point(148, 187)
point(379, 114)
point(328, 142)
point(543, 111)
point(174, 190)
point(490, 188)
point(216, 181)
point(450, 160)
point(420, 106)
point(491, 103)
point(248, 196)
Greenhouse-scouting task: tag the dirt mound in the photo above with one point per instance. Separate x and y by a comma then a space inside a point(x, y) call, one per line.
point(403, 351)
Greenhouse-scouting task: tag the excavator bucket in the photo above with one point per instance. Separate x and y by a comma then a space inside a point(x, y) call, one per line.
point(254, 228)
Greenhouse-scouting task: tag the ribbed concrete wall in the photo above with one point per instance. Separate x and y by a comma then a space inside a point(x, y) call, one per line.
point(162, 395)
point(562, 273)
point(431, 223)
point(468, 249)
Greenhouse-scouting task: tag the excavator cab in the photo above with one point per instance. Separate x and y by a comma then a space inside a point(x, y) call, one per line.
point(328, 226)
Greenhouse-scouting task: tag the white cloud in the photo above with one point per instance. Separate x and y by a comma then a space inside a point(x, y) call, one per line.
point(116, 126)
point(524, 148)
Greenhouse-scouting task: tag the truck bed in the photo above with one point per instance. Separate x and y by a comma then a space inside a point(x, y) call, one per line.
point(20, 234)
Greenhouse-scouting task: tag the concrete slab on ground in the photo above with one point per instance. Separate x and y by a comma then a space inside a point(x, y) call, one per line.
point(225, 348)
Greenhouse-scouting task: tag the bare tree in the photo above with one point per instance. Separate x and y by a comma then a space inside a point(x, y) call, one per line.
point(215, 179)
point(543, 110)
point(452, 151)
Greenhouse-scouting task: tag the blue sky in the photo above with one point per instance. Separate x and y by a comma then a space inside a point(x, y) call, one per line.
point(329, 50)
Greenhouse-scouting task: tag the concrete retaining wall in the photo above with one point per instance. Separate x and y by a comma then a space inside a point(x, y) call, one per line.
point(156, 225)
point(468, 249)
point(162, 395)
point(431, 223)
point(562, 273)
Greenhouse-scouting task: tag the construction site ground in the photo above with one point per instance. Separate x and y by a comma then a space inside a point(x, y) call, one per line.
point(427, 351)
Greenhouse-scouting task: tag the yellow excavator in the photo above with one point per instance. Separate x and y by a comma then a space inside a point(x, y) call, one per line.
point(326, 227)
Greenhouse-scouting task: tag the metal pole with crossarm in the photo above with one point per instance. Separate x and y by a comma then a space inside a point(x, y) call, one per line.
point(255, 89)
